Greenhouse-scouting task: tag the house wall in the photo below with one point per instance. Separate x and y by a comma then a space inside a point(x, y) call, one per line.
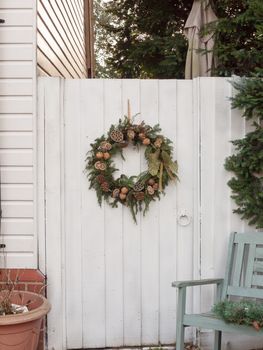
point(17, 132)
point(60, 38)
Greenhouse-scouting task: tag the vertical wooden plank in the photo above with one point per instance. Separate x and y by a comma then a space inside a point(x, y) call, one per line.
point(150, 232)
point(54, 205)
point(113, 230)
point(250, 265)
point(207, 113)
point(168, 221)
point(238, 265)
point(196, 193)
point(236, 132)
point(222, 148)
point(72, 175)
point(131, 232)
point(185, 147)
point(93, 240)
point(40, 188)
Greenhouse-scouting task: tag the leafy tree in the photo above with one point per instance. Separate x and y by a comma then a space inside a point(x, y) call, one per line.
point(239, 37)
point(144, 38)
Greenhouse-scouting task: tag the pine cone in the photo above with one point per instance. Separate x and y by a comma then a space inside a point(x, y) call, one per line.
point(105, 146)
point(139, 196)
point(100, 178)
point(116, 135)
point(139, 186)
point(105, 186)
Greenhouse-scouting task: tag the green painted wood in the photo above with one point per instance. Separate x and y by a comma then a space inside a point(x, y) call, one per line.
point(258, 266)
point(257, 280)
point(211, 322)
point(250, 264)
point(248, 238)
point(229, 263)
point(245, 292)
point(180, 284)
point(238, 264)
point(225, 288)
point(259, 253)
point(179, 318)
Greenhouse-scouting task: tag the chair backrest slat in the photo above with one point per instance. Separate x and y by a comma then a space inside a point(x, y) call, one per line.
point(245, 292)
point(259, 253)
point(244, 269)
point(250, 265)
point(238, 264)
point(257, 280)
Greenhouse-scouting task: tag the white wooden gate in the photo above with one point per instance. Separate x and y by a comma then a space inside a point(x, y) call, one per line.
point(109, 279)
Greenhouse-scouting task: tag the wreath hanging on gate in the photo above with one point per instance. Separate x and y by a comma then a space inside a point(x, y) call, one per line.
point(135, 192)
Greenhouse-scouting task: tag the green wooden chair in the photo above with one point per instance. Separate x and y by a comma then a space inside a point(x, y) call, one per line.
point(243, 278)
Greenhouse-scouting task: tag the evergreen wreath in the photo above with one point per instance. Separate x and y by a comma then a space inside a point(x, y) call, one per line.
point(135, 192)
point(249, 313)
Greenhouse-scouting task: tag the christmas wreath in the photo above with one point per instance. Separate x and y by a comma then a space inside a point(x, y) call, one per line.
point(135, 192)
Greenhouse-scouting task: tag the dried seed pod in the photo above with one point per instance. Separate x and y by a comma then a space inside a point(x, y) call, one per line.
point(142, 135)
point(100, 166)
point(124, 190)
point(150, 190)
point(158, 142)
point(130, 134)
point(139, 196)
point(99, 155)
point(116, 135)
point(105, 146)
point(146, 141)
point(122, 196)
point(115, 193)
point(151, 182)
point(156, 186)
point(139, 186)
point(106, 155)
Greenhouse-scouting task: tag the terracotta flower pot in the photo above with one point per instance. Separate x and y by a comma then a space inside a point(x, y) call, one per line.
point(21, 331)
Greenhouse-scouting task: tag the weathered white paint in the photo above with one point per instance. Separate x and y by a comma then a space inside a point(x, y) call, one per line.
point(109, 278)
point(17, 132)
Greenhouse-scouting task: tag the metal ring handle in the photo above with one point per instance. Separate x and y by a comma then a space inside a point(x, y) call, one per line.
point(183, 219)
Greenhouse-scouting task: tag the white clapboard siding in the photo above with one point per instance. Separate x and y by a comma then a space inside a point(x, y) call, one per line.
point(17, 175)
point(15, 87)
point(17, 227)
point(115, 277)
point(12, 52)
point(16, 122)
point(16, 4)
point(16, 35)
point(17, 145)
point(17, 17)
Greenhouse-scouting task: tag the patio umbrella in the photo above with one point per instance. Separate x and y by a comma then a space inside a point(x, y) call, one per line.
point(198, 64)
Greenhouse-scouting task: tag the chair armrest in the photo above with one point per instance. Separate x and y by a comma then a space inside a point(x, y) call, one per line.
point(181, 284)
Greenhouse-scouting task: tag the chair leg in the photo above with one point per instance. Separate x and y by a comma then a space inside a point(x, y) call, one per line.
point(179, 319)
point(179, 337)
point(217, 343)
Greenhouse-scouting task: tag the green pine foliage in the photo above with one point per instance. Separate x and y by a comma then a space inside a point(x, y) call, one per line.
point(247, 162)
point(238, 37)
point(248, 313)
point(144, 39)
